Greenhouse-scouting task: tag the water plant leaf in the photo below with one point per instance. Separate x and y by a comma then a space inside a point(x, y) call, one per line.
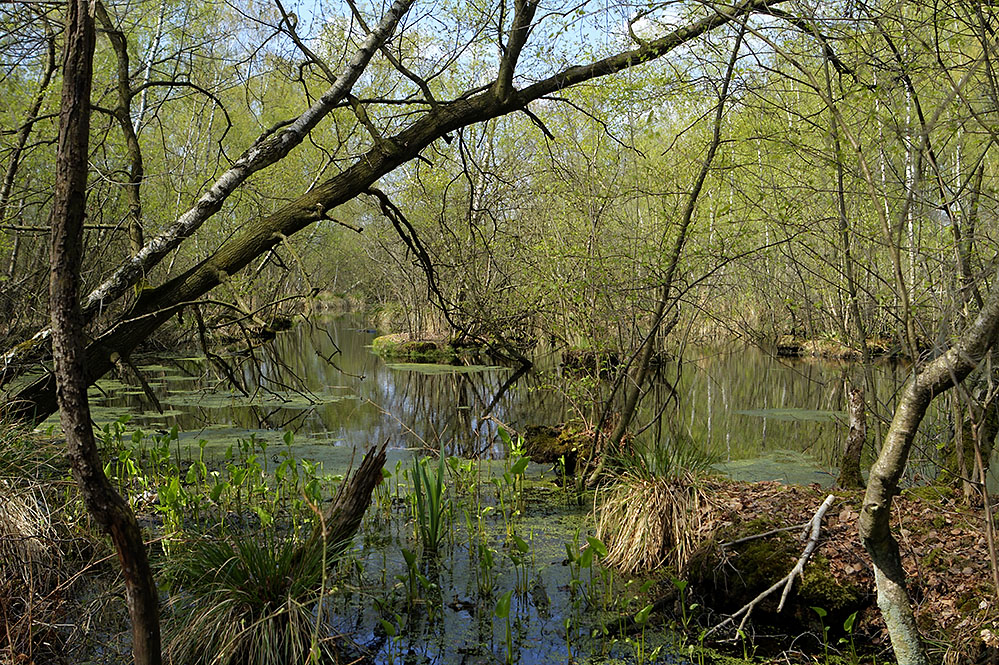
point(387, 627)
point(502, 610)
point(642, 617)
point(520, 466)
point(848, 624)
point(284, 399)
point(597, 546)
point(430, 368)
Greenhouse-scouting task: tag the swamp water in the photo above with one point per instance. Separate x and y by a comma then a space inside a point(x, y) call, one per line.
point(510, 582)
point(760, 417)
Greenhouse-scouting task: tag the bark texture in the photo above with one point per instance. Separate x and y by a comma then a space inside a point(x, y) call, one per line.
point(942, 373)
point(849, 467)
point(68, 212)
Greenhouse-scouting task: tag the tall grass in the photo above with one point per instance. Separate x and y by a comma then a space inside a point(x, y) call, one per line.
point(657, 510)
point(431, 503)
point(249, 600)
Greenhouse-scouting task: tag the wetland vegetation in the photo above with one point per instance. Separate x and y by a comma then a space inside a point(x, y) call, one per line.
point(498, 332)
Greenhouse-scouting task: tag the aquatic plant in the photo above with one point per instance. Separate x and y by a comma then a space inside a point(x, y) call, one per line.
point(464, 473)
point(502, 611)
point(510, 486)
point(848, 625)
point(257, 598)
point(485, 571)
point(432, 506)
point(641, 620)
point(518, 557)
point(825, 631)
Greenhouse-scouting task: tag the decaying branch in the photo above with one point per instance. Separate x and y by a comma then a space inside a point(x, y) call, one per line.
point(787, 582)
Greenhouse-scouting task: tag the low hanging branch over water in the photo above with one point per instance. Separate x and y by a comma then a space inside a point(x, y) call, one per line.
point(271, 147)
point(36, 401)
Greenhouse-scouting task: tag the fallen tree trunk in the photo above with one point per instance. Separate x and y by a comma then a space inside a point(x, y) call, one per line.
point(36, 401)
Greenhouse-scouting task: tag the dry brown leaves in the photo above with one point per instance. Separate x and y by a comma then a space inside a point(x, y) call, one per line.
point(943, 545)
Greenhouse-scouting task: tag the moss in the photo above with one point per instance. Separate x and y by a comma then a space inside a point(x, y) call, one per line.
point(819, 588)
point(763, 561)
point(968, 603)
point(400, 346)
point(589, 361)
point(549, 444)
point(936, 559)
point(728, 578)
point(793, 347)
point(934, 493)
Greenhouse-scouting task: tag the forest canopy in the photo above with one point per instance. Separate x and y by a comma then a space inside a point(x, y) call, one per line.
point(608, 176)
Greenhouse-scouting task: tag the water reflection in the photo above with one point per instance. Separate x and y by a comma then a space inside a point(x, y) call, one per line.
point(322, 380)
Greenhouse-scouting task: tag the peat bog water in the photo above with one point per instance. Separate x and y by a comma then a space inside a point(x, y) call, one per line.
point(762, 418)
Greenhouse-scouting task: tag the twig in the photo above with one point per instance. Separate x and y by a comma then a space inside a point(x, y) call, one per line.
point(757, 536)
point(788, 580)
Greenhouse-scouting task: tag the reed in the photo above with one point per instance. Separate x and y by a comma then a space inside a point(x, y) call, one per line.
point(432, 506)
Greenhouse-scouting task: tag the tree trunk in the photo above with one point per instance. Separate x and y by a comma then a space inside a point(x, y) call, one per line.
point(849, 468)
point(634, 387)
point(875, 530)
point(36, 401)
point(68, 212)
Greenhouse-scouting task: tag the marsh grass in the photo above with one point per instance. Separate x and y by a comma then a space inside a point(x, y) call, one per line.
point(31, 568)
point(248, 600)
point(431, 503)
point(657, 509)
point(42, 551)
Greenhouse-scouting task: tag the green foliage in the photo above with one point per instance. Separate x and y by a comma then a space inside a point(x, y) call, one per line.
point(247, 600)
point(433, 507)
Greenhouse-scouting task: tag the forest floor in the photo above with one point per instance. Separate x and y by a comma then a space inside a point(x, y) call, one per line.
point(944, 550)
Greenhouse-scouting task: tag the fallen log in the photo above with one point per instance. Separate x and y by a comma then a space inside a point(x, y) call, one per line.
point(788, 580)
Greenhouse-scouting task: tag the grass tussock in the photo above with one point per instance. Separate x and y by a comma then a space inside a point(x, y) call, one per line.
point(39, 561)
point(657, 510)
point(31, 568)
point(248, 600)
point(647, 523)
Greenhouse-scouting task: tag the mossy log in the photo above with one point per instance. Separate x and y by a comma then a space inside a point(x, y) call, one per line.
point(733, 568)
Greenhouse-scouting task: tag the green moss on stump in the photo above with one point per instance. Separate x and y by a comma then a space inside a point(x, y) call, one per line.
point(548, 444)
point(401, 346)
point(819, 588)
point(726, 579)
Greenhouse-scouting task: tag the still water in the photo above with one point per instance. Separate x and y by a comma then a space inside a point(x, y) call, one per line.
point(760, 417)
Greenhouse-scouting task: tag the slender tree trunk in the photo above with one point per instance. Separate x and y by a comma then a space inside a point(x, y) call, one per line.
point(941, 374)
point(68, 352)
point(636, 385)
point(123, 114)
point(849, 468)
